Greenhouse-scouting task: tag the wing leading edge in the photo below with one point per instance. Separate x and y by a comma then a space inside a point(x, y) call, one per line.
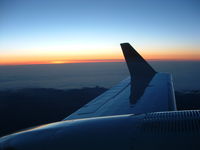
point(143, 92)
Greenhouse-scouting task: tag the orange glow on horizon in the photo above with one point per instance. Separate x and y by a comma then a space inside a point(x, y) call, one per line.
point(113, 56)
point(88, 61)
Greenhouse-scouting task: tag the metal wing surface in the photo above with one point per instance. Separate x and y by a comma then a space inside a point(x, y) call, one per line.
point(143, 92)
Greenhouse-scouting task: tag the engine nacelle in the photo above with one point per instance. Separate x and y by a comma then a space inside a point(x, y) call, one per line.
point(156, 131)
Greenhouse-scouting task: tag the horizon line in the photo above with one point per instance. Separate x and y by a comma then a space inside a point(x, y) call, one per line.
point(87, 61)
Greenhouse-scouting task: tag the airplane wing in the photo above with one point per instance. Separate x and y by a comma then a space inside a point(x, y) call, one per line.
point(143, 92)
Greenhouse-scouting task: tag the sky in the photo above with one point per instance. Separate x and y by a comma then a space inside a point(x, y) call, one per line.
point(69, 31)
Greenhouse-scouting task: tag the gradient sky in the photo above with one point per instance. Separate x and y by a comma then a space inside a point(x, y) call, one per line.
point(56, 31)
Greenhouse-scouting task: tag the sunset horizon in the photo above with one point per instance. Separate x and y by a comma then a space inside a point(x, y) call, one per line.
point(84, 61)
point(81, 55)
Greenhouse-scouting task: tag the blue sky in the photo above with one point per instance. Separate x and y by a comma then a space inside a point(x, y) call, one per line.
point(57, 26)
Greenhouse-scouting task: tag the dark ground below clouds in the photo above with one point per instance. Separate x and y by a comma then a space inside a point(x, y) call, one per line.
point(25, 108)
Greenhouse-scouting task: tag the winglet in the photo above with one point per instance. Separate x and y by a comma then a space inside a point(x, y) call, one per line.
point(141, 72)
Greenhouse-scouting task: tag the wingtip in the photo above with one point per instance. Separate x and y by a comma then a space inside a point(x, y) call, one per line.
point(141, 72)
point(134, 60)
point(125, 44)
point(127, 48)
